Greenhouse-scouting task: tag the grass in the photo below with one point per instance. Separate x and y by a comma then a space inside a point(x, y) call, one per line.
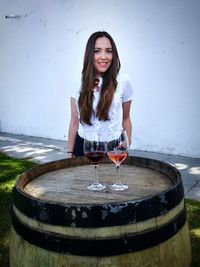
point(193, 211)
point(10, 168)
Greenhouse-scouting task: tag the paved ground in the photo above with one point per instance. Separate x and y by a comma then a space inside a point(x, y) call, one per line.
point(42, 150)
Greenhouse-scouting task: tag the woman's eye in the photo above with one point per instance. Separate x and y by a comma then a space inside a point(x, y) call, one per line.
point(96, 51)
point(109, 51)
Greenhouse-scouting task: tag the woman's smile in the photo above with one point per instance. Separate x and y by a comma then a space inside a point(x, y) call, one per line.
point(102, 54)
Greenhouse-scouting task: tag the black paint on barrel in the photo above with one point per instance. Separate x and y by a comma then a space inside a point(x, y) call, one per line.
point(111, 214)
point(93, 247)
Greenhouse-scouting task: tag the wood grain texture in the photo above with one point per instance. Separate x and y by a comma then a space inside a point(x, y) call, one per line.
point(70, 184)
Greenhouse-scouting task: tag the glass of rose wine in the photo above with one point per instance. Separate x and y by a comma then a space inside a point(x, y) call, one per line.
point(117, 151)
point(95, 149)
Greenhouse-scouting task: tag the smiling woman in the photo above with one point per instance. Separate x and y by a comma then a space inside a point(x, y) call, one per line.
point(103, 102)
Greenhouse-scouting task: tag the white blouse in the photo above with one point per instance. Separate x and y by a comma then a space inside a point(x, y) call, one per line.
point(112, 128)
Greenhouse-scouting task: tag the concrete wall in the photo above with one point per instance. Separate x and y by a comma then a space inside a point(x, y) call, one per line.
point(41, 57)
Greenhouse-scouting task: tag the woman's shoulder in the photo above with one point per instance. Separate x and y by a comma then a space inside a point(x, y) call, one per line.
point(75, 91)
point(123, 77)
point(125, 84)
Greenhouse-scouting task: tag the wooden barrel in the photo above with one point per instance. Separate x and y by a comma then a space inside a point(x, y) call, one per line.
point(58, 222)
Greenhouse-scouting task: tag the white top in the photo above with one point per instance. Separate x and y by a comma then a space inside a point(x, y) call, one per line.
point(112, 128)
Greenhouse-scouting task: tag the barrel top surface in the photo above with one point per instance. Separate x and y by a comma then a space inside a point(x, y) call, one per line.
point(57, 193)
point(69, 185)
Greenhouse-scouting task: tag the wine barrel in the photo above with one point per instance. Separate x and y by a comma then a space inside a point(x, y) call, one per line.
point(57, 221)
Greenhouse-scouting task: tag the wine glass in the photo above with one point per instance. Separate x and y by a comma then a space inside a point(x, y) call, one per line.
point(117, 151)
point(94, 149)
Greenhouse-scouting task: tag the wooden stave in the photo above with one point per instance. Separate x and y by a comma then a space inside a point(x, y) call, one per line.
point(175, 252)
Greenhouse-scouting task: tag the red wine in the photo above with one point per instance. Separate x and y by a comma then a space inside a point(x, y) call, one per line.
point(117, 156)
point(95, 157)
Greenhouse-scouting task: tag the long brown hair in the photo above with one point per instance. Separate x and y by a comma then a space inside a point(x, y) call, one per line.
point(85, 101)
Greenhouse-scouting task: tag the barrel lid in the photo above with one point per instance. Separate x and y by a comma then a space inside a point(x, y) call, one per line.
point(86, 210)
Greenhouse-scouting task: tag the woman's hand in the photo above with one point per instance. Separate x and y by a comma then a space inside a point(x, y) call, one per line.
point(70, 155)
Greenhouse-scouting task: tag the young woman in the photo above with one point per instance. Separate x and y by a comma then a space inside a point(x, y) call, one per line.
point(104, 99)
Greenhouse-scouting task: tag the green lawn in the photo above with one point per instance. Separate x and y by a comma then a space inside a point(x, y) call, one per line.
point(193, 211)
point(10, 168)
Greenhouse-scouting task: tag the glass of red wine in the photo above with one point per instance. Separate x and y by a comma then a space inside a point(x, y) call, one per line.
point(117, 151)
point(95, 149)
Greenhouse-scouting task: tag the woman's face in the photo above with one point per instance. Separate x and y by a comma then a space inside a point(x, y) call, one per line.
point(103, 55)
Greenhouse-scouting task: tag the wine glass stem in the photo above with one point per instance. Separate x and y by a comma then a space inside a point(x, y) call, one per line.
point(96, 174)
point(118, 175)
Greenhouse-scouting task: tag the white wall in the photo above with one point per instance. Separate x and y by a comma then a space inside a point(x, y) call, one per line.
point(158, 41)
